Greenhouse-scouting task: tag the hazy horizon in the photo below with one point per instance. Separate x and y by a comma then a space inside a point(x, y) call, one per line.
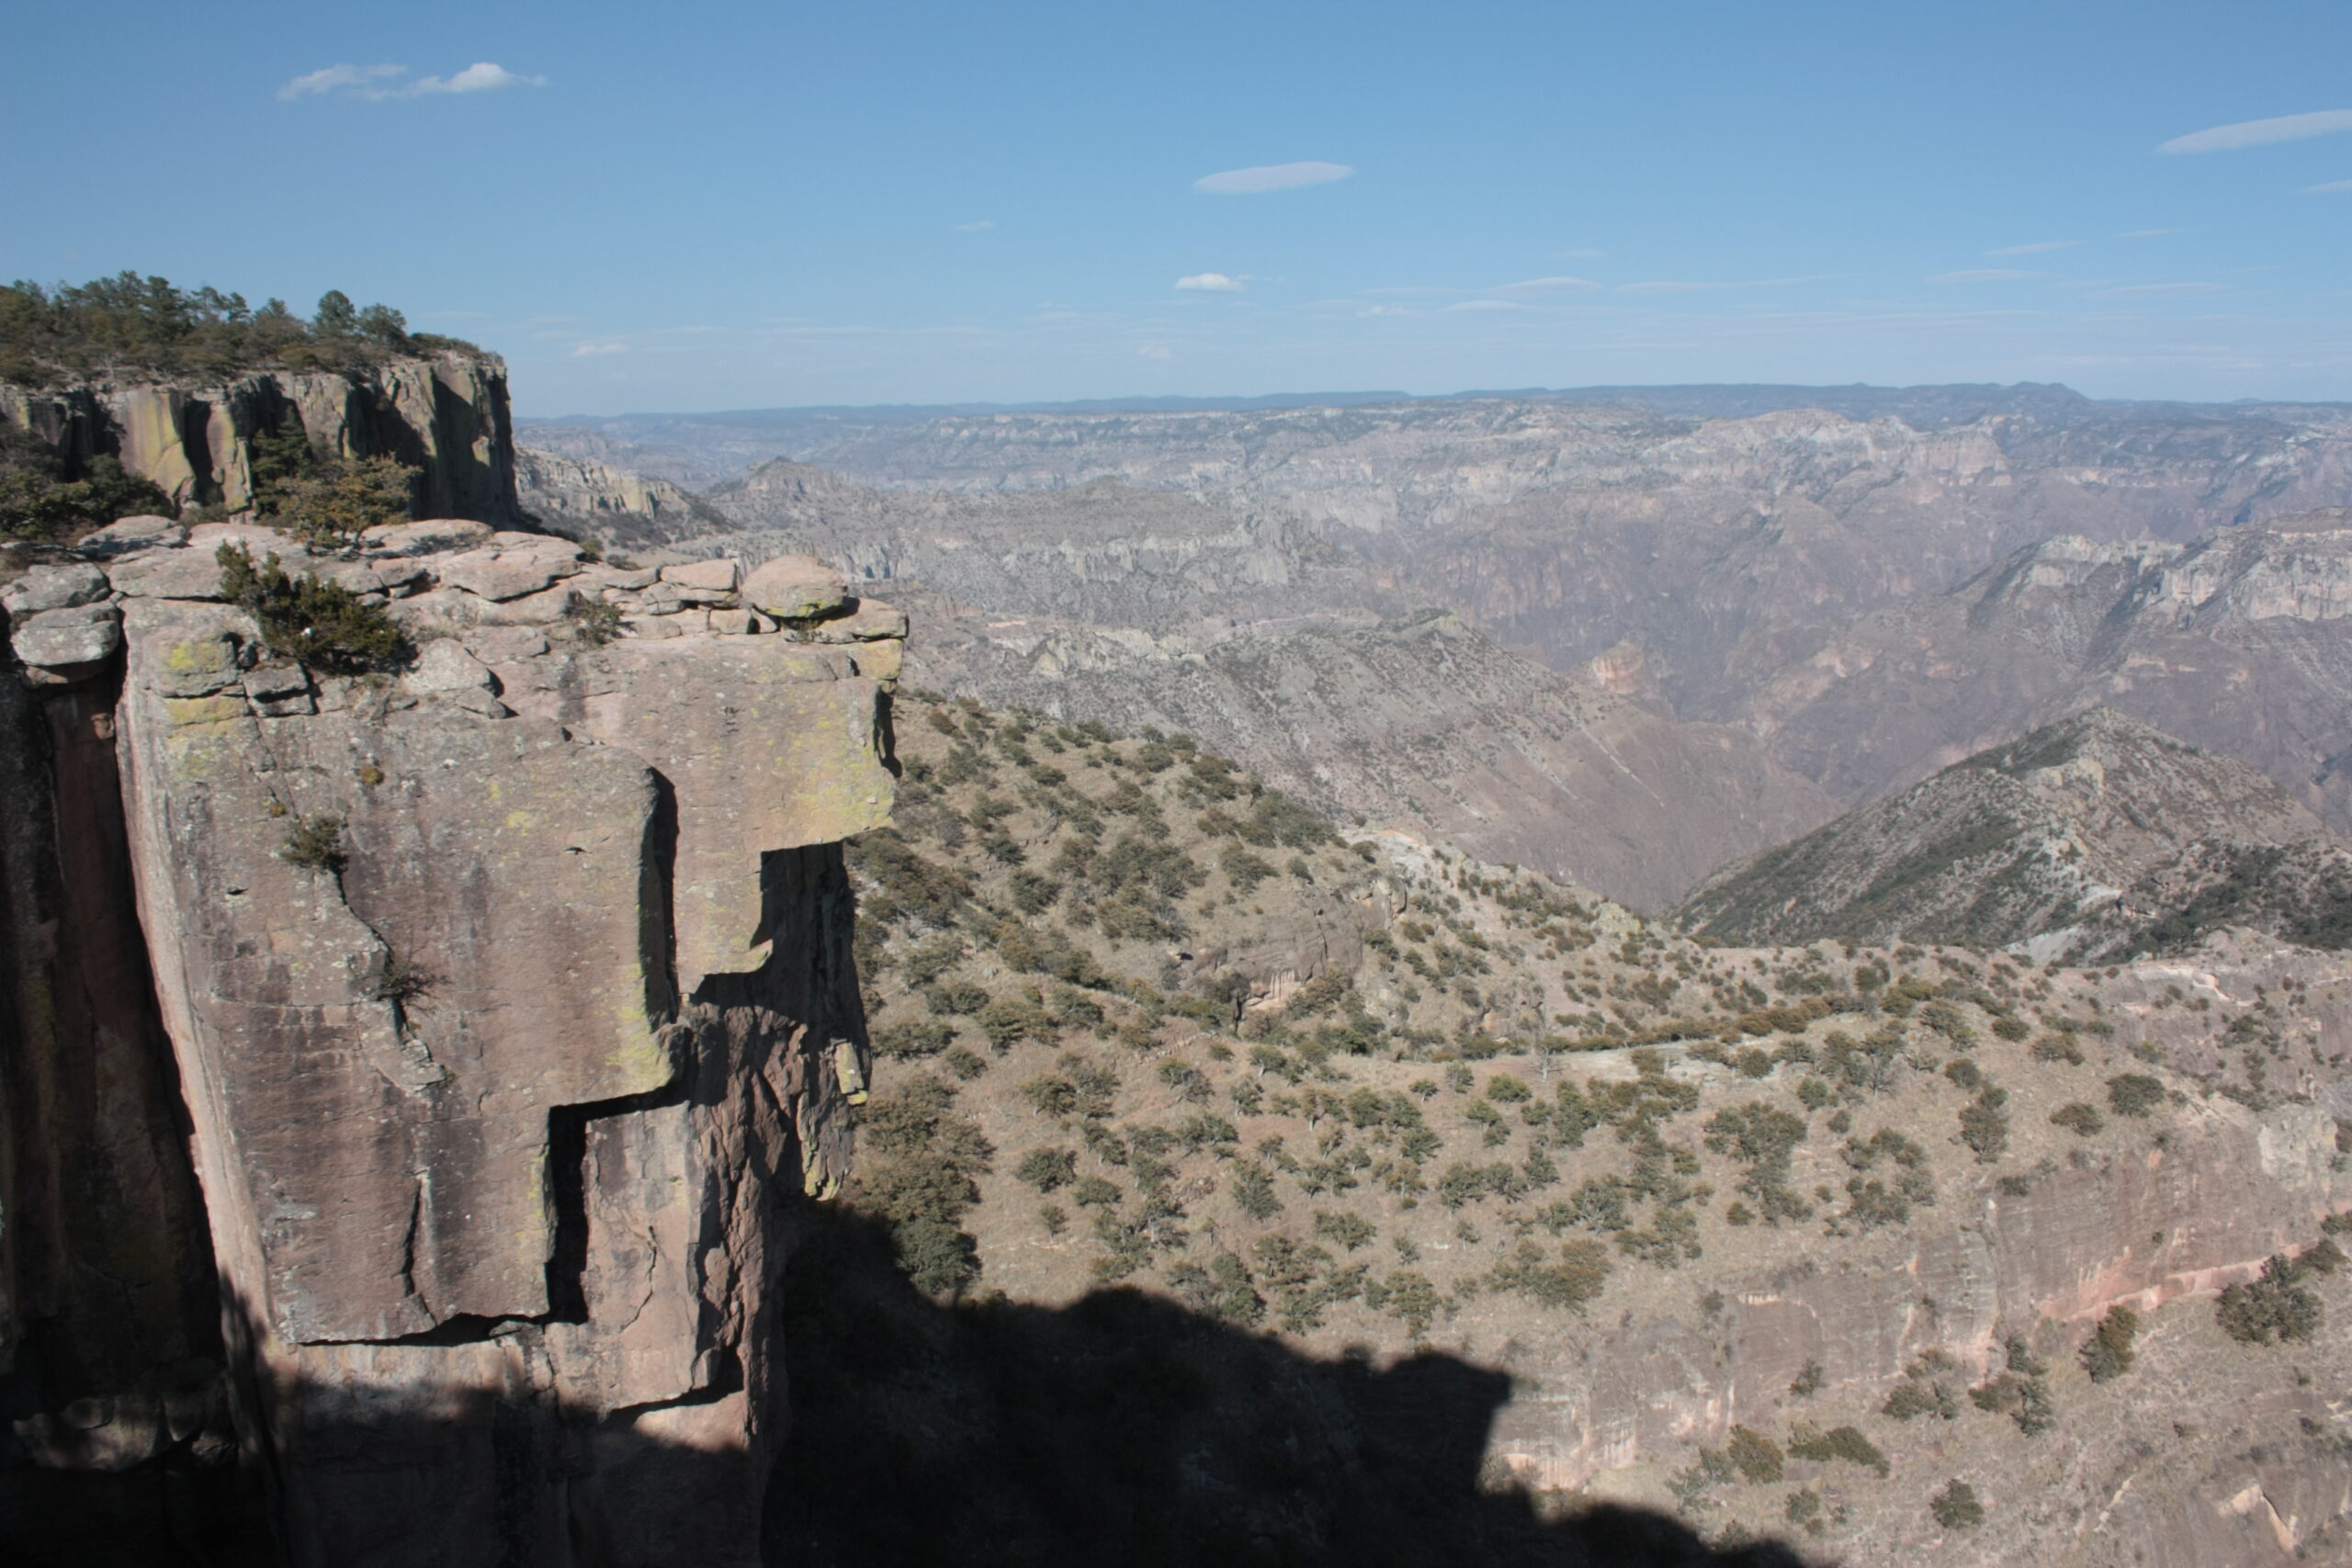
point(930, 203)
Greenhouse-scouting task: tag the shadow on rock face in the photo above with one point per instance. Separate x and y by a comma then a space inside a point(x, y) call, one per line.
point(1125, 1429)
point(1122, 1429)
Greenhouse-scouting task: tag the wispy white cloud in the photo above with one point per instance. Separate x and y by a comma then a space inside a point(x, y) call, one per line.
point(1482, 305)
point(982, 226)
point(1672, 286)
point(1266, 177)
point(1548, 286)
point(596, 350)
point(2039, 247)
point(1154, 351)
point(2261, 133)
point(2155, 291)
point(480, 77)
point(2326, 187)
point(337, 79)
point(1984, 275)
point(1212, 283)
point(377, 83)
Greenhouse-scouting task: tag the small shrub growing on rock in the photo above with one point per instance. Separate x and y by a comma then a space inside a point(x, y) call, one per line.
point(594, 622)
point(2276, 1307)
point(1756, 1457)
point(1047, 1169)
point(316, 844)
point(322, 626)
point(2109, 1354)
point(1956, 1507)
point(1254, 1190)
point(2080, 1119)
point(2134, 1094)
point(1845, 1443)
point(1985, 1123)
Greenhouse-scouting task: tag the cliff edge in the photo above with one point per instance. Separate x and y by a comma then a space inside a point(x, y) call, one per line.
point(508, 990)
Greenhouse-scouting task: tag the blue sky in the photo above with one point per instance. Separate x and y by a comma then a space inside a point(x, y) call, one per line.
point(703, 205)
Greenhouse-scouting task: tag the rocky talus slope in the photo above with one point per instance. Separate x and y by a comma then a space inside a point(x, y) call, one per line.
point(1784, 1240)
point(445, 416)
point(509, 993)
point(2090, 839)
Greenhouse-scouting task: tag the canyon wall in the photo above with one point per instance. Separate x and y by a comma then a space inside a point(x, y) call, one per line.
point(445, 416)
point(510, 1004)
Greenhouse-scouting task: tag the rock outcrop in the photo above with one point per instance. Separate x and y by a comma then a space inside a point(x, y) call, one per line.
point(445, 416)
point(512, 1004)
point(614, 506)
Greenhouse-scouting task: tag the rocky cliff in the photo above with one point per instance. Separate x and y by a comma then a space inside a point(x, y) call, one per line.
point(611, 505)
point(509, 995)
point(445, 416)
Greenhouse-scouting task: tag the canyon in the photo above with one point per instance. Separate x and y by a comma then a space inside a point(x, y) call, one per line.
point(590, 1087)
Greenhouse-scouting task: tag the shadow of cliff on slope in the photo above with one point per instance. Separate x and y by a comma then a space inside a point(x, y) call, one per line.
point(1124, 1428)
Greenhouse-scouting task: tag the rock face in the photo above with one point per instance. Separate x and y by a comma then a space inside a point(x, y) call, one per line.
point(513, 1007)
point(446, 416)
point(615, 506)
point(2088, 839)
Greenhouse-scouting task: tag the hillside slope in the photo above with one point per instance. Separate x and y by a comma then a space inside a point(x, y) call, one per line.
point(1168, 1069)
point(2088, 838)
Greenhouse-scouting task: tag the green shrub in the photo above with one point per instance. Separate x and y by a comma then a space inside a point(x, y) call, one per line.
point(2134, 1094)
point(316, 844)
point(1754, 1456)
point(1094, 1192)
point(38, 502)
point(1046, 1170)
point(1956, 1507)
point(1580, 1274)
point(330, 504)
point(2275, 1307)
point(1985, 1123)
point(1353, 1232)
point(1808, 1381)
point(322, 626)
point(964, 1062)
point(2052, 1046)
point(595, 622)
point(1845, 1443)
point(917, 1037)
point(2078, 1118)
point(2110, 1355)
point(1253, 1189)
point(2008, 1026)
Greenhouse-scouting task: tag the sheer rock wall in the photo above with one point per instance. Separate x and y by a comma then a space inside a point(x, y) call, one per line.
point(501, 1102)
point(446, 416)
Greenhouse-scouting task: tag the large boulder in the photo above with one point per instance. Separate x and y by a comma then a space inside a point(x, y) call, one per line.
point(795, 588)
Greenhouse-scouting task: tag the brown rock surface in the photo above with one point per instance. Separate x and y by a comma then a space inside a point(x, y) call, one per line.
point(509, 1039)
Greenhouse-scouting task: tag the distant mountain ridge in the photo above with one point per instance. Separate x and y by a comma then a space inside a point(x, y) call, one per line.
point(2089, 840)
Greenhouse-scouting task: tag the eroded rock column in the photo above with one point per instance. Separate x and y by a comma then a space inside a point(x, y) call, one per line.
point(514, 1006)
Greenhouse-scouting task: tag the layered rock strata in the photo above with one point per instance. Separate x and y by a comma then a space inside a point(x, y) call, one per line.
point(512, 1003)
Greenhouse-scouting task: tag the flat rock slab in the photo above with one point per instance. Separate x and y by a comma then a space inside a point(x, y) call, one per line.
point(54, 588)
point(504, 574)
point(128, 533)
point(60, 639)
